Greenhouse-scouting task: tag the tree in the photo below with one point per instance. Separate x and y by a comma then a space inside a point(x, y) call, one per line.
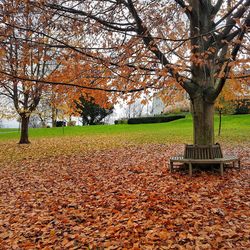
point(43, 110)
point(77, 71)
point(134, 109)
point(233, 91)
point(91, 112)
point(152, 44)
point(24, 54)
point(192, 43)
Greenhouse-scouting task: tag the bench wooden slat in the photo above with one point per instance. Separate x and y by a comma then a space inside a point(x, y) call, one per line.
point(215, 160)
point(203, 154)
point(203, 151)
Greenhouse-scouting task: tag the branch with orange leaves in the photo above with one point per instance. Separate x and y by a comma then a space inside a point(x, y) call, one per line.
point(122, 91)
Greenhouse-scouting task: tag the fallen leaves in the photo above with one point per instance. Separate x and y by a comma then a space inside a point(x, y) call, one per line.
point(122, 198)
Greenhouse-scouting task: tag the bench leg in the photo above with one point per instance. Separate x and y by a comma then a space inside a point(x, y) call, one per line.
point(171, 166)
point(190, 169)
point(221, 169)
point(239, 164)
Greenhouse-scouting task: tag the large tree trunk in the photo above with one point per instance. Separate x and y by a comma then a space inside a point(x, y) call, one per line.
point(24, 139)
point(203, 121)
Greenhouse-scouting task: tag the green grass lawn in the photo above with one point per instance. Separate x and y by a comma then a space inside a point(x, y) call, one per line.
point(50, 142)
point(234, 127)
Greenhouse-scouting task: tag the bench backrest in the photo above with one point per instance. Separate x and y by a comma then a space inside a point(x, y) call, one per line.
point(203, 151)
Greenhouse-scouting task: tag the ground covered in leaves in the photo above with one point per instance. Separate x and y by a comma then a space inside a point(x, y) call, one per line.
point(122, 198)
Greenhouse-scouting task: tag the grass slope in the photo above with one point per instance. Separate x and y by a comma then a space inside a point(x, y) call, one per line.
point(236, 127)
point(52, 142)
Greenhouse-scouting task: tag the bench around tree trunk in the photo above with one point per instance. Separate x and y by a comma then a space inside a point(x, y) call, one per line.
point(202, 154)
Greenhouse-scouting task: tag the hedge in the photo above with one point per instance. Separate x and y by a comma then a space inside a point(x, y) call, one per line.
point(154, 119)
point(243, 107)
point(60, 123)
point(123, 121)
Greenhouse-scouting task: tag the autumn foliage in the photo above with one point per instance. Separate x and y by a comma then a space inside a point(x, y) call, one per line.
point(111, 193)
point(122, 199)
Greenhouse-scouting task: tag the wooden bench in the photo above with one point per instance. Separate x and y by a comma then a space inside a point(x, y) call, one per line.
point(202, 154)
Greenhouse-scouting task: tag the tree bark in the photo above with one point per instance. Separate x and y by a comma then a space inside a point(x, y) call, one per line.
point(203, 121)
point(24, 139)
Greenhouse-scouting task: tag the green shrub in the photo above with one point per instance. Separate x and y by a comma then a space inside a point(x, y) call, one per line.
point(60, 124)
point(243, 107)
point(154, 119)
point(122, 121)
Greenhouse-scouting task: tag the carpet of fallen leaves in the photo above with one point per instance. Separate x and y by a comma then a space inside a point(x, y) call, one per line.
point(123, 198)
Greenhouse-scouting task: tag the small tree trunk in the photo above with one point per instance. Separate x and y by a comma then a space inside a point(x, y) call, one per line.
point(203, 122)
point(53, 116)
point(220, 113)
point(24, 139)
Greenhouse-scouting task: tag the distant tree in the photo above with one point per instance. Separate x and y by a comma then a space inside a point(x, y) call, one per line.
point(43, 110)
point(228, 100)
point(25, 55)
point(91, 112)
point(34, 121)
point(134, 108)
point(7, 111)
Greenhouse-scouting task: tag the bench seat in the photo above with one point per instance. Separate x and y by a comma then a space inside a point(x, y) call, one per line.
point(190, 161)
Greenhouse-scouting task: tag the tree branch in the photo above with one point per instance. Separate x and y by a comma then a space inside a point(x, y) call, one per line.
point(216, 7)
point(184, 6)
point(78, 85)
point(111, 25)
point(150, 43)
point(231, 21)
point(229, 12)
point(221, 82)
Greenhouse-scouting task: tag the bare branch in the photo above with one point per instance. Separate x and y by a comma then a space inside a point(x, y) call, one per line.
point(231, 21)
point(184, 6)
point(217, 7)
point(221, 82)
point(112, 25)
